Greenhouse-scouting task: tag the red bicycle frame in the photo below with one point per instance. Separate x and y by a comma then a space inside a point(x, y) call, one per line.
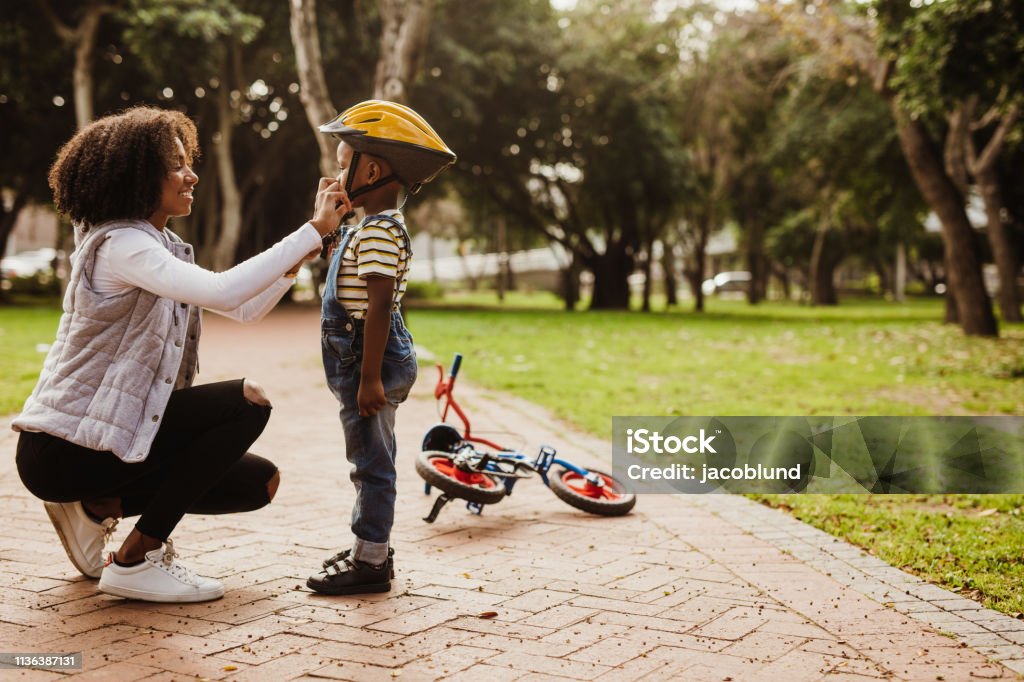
point(444, 389)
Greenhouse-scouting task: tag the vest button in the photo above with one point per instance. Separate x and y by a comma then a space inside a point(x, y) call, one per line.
point(348, 327)
point(188, 251)
point(167, 380)
point(178, 344)
point(156, 417)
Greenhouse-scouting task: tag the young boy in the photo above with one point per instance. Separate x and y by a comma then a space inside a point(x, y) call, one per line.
point(367, 351)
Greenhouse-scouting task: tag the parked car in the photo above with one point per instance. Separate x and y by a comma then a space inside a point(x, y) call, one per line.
point(28, 263)
point(726, 282)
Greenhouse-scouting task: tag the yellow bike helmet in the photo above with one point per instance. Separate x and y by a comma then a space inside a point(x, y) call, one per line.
point(396, 133)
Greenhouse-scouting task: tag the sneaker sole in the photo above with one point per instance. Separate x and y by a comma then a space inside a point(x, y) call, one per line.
point(141, 595)
point(58, 517)
point(372, 588)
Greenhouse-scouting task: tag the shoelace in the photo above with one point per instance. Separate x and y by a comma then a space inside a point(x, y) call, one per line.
point(109, 526)
point(174, 568)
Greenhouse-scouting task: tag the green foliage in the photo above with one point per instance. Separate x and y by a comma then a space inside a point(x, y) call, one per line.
point(199, 19)
point(159, 30)
point(423, 291)
point(40, 284)
point(947, 51)
point(834, 145)
point(560, 121)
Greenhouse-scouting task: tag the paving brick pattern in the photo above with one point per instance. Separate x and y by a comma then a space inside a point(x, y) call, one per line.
point(685, 588)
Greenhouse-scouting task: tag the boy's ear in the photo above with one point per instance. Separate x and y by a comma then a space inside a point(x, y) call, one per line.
point(373, 171)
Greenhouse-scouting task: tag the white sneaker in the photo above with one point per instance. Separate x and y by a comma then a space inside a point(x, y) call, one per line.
point(83, 538)
point(158, 578)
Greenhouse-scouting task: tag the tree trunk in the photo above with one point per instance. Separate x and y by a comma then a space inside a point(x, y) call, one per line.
point(756, 262)
point(432, 256)
point(571, 282)
point(502, 249)
point(952, 312)
point(822, 274)
point(963, 264)
point(668, 266)
point(82, 38)
point(403, 37)
point(1004, 251)
point(472, 278)
point(8, 219)
point(784, 281)
point(231, 202)
point(885, 283)
point(611, 279)
point(648, 268)
point(697, 268)
point(85, 48)
point(208, 213)
point(899, 289)
point(823, 284)
point(313, 94)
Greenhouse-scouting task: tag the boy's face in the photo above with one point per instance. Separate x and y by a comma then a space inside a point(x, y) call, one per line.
point(369, 170)
point(344, 154)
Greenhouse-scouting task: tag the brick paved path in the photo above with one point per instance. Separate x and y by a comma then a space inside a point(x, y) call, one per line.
point(708, 588)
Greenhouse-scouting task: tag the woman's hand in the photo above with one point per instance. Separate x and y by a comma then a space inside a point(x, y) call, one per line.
point(332, 203)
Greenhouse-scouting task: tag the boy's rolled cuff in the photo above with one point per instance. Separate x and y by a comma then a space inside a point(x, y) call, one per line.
point(375, 553)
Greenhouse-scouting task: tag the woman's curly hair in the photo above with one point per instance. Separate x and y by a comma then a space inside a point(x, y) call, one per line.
point(114, 168)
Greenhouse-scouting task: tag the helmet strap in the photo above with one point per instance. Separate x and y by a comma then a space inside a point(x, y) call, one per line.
point(352, 172)
point(365, 188)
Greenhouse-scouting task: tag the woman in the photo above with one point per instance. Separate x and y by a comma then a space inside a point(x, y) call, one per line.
point(114, 428)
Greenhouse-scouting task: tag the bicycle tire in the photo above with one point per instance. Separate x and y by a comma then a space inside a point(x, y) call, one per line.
point(493, 491)
point(569, 487)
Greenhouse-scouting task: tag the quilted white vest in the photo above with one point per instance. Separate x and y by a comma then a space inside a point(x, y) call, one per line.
point(116, 359)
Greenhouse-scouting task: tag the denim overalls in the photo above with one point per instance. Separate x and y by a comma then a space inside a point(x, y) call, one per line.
point(369, 441)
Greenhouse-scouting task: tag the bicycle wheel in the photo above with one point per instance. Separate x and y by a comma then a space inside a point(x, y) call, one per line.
point(439, 470)
point(441, 437)
point(612, 499)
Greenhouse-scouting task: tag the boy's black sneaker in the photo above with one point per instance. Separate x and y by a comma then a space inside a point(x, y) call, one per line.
point(350, 576)
point(341, 556)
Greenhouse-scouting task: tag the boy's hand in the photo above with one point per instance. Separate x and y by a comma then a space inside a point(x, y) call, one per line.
point(371, 397)
point(332, 203)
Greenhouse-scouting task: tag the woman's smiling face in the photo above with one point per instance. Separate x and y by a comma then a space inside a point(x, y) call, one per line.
point(176, 197)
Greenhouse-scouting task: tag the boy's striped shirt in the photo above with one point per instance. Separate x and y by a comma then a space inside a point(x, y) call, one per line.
point(379, 248)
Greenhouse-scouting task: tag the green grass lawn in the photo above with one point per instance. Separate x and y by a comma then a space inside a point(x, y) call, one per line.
point(862, 358)
point(26, 330)
point(865, 357)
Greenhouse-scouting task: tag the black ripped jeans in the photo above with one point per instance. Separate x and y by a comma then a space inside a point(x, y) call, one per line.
point(198, 464)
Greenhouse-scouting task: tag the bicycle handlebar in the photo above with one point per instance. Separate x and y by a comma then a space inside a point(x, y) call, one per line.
point(456, 363)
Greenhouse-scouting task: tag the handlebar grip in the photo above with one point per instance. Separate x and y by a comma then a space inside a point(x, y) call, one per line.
point(456, 363)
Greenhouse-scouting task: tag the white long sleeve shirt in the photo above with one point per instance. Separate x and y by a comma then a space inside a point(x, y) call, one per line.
point(247, 292)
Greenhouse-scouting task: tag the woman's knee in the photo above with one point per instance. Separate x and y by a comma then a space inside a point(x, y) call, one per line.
point(254, 393)
point(273, 484)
